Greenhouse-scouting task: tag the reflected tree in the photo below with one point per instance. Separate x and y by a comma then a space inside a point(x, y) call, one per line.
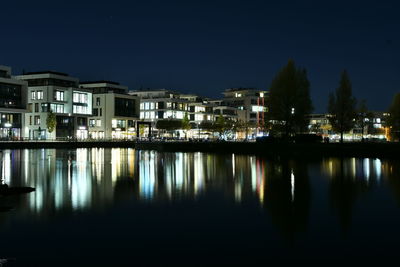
point(288, 196)
point(344, 191)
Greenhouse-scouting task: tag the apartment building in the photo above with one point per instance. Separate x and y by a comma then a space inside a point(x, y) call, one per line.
point(12, 105)
point(115, 113)
point(59, 93)
point(160, 104)
point(251, 101)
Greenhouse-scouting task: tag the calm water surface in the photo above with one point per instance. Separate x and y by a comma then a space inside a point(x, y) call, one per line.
point(123, 207)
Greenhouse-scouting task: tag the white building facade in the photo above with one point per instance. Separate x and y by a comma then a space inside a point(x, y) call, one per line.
point(60, 94)
point(115, 113)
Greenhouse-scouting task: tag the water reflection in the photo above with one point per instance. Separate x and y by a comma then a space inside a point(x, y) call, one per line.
point(83, 179)
point(349, 179)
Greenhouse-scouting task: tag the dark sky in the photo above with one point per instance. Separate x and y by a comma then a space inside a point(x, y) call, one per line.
point(204, 47)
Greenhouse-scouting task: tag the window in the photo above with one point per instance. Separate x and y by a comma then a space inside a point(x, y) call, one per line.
point(95, 112)
point(33, 95)
point(92, 123)
point(80, 109)
point(80, 98)
point(44, 107)
point(98, 123)
point(101, 113)
point(37, 120)
point(97, 101)
point(57, 108)
point(59, 95)
point(39, 95)
point(30, 120)
point(36, 107)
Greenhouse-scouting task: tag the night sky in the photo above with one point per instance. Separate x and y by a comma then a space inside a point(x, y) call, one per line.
point(204, 47)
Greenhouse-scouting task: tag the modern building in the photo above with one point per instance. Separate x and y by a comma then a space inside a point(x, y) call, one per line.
point(221, 108)
point(59, 93)
point(251, 101)
point(115, 113)
point(13, 94)
point(160, 104)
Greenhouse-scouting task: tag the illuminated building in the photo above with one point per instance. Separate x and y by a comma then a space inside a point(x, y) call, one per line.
point(12, 105)
point(114, 111)
point(59, 93)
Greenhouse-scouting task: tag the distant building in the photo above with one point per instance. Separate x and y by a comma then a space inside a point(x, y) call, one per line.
point(12, 105)
point(251, 101)
point(114, 111)
point(160, 104)
point(220, 107)
point(59, 93)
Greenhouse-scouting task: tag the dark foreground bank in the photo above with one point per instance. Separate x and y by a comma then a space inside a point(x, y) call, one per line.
point(378, 150)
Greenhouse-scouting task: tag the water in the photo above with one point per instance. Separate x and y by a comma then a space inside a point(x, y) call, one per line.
point(122, 207)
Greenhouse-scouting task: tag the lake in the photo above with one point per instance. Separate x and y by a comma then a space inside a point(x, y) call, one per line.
point(127, 207)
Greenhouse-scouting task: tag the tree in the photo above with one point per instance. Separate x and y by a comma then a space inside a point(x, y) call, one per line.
point(393, 121)
point(51, 121)
point(223, 126)
point(364, 117)
point(219, 125)
point(186, 124)
point(342, 107)
point(289, 98)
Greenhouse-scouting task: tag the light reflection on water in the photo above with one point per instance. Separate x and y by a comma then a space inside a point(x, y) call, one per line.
point(88, 178)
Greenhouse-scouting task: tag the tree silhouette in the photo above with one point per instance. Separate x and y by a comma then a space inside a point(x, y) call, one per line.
point(393, 121)
point(342, 107)
point(289, 98)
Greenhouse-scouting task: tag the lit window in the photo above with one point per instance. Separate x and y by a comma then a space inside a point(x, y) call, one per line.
point(39, 95)
point(98, 123)
point(59, 95)
point(33, 95)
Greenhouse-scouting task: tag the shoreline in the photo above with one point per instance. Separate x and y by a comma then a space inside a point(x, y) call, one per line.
point(370, 150)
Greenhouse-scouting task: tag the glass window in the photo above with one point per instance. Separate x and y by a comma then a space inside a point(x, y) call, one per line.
point(37, 120)
point(44, 107)
point(91, 123)
point(59, 95)
point(76, 97)
point(33, 95)
point(98, 123)
point(39, 95)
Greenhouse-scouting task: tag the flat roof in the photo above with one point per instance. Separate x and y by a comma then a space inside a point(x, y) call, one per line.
point(101, 81)
point(46, 72)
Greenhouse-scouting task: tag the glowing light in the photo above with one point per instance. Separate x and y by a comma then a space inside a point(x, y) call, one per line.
point(292, 184)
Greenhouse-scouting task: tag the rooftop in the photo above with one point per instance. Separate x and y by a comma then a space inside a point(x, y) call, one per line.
point(102, 81)
point(46, 72)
